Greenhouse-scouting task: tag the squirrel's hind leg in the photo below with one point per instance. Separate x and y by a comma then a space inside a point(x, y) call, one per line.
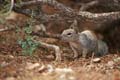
point(84, 53)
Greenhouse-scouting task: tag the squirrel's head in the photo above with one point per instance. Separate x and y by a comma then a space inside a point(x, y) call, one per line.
point(69, 35)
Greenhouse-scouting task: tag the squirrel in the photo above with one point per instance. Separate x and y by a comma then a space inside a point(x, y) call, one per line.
point(83, 43)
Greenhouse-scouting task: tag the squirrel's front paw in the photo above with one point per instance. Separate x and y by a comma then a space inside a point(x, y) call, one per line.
point(84, 55)
point(58, 59)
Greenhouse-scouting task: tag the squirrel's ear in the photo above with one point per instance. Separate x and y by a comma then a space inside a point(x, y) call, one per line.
point(74, 26)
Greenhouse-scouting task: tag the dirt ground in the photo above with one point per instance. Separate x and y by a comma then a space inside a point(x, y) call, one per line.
point(42, 66)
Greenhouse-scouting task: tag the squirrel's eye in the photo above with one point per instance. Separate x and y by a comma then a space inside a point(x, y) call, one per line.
point(69, 33)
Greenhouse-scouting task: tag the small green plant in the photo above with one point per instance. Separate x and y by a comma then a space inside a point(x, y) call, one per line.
point(27, 44)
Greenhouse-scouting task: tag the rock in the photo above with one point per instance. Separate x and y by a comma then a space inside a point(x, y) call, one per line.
point(96, 60)
point(31, 66)
point(10, 78)
point(110, 64)
point(42, 69)
point(39, 28)
point(50, 68)
point(11, 56)
point(50, 57)
point(4, 64)
point(64, 70)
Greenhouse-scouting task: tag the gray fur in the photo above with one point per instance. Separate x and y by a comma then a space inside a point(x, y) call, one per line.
point(102, 48)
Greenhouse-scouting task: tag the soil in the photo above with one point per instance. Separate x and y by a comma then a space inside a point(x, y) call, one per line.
point(42, 66)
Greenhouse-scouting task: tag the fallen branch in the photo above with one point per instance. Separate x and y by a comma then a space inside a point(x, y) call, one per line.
point(50, 46)
point(101, 21)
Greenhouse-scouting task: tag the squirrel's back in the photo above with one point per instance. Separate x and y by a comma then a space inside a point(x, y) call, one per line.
point(88, 40)
point(90, 34)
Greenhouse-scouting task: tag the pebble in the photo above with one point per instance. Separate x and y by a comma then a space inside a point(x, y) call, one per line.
point(96, 60)
point(31, 66)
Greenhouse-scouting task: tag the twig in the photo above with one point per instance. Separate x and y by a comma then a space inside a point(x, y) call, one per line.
point(91, 61)
point(3, 29)
point(47, 35)
point(11, 7)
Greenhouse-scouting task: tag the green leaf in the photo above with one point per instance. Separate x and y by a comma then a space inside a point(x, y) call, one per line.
point(24, 45)
point(28, 30)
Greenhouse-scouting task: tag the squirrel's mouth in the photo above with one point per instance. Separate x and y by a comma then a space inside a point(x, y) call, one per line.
point(64, 39)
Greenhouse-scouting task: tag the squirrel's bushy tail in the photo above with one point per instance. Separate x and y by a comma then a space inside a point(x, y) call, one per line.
point(102, 48)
